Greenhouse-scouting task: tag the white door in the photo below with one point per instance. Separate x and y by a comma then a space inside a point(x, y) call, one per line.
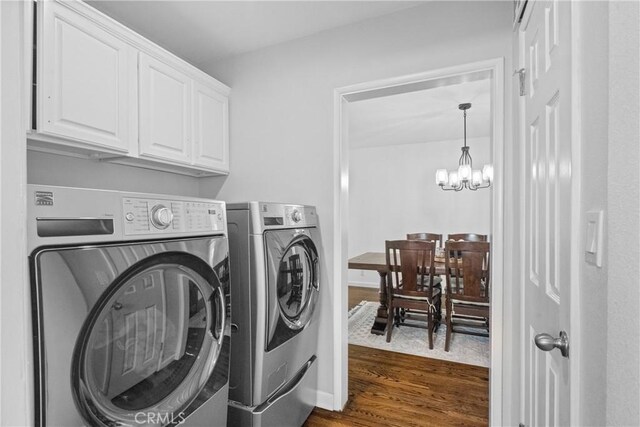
point(210, 128)
point(545, 54)
point(165, 111)
point(83, 89)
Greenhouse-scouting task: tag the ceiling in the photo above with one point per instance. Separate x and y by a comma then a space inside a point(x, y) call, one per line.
point(205, 31)
point(429, 115)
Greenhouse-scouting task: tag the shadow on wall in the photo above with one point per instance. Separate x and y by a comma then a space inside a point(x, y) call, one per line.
point(51, 169)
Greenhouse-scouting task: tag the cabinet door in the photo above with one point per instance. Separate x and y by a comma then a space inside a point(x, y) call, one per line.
point(165, 111)
point(210, 128)
point(84, 93)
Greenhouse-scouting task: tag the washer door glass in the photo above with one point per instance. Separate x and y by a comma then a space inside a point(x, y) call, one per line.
point(292, 283)
point(150, 344)
point(295, 280)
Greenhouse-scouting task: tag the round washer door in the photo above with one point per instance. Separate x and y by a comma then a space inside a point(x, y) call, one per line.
point(150, 343)
point(293, 259)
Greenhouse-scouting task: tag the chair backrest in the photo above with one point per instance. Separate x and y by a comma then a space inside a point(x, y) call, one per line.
point(468, 237)
point(426, 236)
point(410, 264)
point(296, 271)
point(467, 266)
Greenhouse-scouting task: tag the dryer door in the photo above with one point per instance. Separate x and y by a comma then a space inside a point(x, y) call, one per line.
point(150, 343)
point(292, 260)
point(134, 334)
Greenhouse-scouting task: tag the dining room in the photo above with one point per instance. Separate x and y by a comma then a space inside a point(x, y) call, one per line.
point(398, 144)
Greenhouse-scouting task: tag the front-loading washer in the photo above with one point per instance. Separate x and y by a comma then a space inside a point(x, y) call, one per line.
point(275, 251)
point(131, 315)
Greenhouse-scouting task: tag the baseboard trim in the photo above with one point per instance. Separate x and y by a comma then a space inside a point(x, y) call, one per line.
point(324, 400)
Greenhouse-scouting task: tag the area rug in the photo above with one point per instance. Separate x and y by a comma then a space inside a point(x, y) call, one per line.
point(468, 349)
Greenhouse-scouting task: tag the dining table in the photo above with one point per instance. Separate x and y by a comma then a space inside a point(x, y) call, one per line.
point(376, 261)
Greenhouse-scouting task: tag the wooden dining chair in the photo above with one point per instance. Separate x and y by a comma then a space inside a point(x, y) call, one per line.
point(297, 280)
point(467, 288)
point(426, 236)
point(437, 280)
point(410, 278)
point(468, 237)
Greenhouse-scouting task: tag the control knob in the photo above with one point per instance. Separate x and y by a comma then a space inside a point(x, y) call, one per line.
point(161, 217)
point(296, 216)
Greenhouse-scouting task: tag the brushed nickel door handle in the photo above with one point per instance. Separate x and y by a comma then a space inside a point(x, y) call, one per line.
point(546, 342)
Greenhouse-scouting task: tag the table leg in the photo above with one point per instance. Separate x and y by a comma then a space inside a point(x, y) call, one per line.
point(380, 322)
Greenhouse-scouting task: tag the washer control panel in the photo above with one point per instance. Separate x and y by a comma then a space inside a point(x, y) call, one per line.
point(294, 215)
point(279, 215)
point(152, 216)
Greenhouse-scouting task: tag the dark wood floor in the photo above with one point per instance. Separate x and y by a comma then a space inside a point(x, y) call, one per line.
point(393, 389)
point(358, 293)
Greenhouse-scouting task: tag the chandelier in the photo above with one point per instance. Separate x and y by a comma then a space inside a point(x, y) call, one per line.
point(465, 176)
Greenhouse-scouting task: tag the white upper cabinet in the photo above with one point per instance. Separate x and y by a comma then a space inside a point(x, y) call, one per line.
point(210, 127)
point(165, 111)
point(84, 90)
point(105, 92)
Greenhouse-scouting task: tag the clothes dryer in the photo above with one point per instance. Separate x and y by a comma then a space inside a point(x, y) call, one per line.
point(130, 296)
point(275, 250)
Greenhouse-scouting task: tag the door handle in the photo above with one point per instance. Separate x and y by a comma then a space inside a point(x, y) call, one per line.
point(546, 342)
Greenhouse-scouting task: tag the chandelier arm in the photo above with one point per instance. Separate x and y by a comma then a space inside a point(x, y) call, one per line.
point(479, 186)
point(446, 187)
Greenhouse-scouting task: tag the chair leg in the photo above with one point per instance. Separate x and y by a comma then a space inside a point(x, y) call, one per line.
point(390, 322)
point(397, 317)
point(430, 329)
point(447, 341)
point(437, 315)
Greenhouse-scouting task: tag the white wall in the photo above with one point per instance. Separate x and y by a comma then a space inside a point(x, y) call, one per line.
point(51, 169)
point(594, 86)
point(281, 108)
point(392, 192)
point(622, 290)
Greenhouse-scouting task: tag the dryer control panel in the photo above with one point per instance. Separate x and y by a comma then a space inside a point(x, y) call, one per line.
point(152, 216)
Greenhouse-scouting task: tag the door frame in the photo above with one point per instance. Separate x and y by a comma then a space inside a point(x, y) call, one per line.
point(499, 342)
point(16, 390)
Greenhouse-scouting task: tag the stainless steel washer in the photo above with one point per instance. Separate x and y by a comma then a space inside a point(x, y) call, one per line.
point(275, 251)
point(130, 298)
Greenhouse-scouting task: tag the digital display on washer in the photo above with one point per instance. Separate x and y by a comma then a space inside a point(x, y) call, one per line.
point(273, 220)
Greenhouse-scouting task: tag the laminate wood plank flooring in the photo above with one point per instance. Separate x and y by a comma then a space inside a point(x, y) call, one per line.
point(394, 389)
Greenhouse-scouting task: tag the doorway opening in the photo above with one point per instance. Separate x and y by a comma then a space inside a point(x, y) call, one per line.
point(436, 81)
